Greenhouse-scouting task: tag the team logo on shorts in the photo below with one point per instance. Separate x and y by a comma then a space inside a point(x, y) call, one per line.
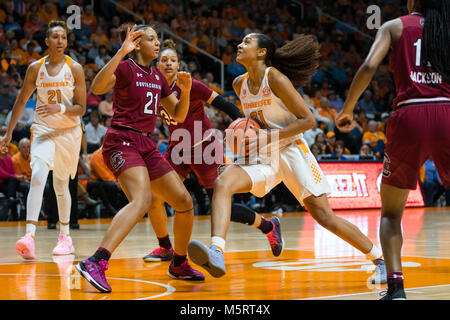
point(116, 160)
point(386, 168)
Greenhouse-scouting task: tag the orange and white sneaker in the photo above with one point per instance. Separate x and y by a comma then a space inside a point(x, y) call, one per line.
point(25, 247)
point(64, 245)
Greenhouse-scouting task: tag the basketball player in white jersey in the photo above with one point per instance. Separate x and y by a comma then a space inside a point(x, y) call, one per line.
point(55, 133)
point(268, 96)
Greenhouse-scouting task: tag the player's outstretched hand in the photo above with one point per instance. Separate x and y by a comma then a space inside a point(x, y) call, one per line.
point(184, 81)
point(131, 40)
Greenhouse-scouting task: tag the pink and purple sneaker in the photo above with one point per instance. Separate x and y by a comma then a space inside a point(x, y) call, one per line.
point(185, 272)
point(94, 273)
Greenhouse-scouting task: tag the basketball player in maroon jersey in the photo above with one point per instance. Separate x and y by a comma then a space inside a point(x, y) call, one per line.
point(418, 128)
point(206, 170)
point(130, 153)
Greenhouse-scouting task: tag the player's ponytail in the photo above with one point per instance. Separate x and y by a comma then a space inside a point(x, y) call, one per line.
point(297, 59)
point(436, 35)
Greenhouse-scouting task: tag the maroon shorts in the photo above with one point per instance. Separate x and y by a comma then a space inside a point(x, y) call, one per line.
point(415, 133)
point(124, 149)
point(204, 161)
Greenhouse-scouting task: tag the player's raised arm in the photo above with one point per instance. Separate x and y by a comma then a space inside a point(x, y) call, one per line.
point(105, 78)
point(377, 53)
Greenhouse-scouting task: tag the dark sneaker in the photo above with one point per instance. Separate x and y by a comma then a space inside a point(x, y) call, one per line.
point(159, 254)
point(211, 259)
point(396, 295)
point(95, 273)
point(380, 276)
point(275, 238)
point(185, 272)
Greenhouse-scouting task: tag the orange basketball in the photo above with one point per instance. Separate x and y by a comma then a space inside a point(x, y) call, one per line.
point(238, 131)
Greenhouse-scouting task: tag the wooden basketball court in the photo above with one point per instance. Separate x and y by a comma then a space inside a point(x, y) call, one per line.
point(315, 264)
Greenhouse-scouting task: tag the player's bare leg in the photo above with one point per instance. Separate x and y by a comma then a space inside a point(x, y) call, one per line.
point(393, 203)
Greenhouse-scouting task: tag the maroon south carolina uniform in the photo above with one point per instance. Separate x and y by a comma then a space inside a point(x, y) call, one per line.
point(199, 128)
point(419, 127)
point(137, 93)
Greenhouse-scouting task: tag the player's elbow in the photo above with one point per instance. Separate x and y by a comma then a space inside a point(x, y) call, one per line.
point(310, 121)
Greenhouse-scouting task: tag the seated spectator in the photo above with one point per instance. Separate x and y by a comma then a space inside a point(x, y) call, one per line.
point(7, 60)
point(21, 162)
point(325, 111)
point(33, 24)
point(105, 107)
point(310, 135)
point(336, 103)
point(376, 139)
point(322, 143)
point(9, 182)
point(6, 100)
point(339, 148)
point(48, 13)
point(101, 37)
point(160, 140)
point(330, 141)
point(431, 182)
point(12, 148)
point(235, 69)
point(315, 150)
point(95, 131)
point(92, 100)
point(102, 58)
point(365, 153)
point(31, 53)
point(18, 53)
point(367, 105)
point(84, 175)
point(104, 184)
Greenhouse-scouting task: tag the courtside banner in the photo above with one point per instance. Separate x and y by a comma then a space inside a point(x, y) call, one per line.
point(356, 185)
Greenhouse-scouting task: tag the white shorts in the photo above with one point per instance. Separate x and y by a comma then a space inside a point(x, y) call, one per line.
point(58, 148)
point(297, 168)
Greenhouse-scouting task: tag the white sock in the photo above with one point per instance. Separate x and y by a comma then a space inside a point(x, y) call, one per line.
point(64, 202)
point(374, 253)
point(218, 242)
point(31, 228)
point(64, 228)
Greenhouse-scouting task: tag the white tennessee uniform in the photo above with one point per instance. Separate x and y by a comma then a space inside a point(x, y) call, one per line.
point(296, 165)
point(56, 139)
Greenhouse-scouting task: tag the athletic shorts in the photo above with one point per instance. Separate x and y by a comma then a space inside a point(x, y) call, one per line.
point(415, 133)
point(123, 149)
point(204, 161)
point(296, 167)
point(58, 148)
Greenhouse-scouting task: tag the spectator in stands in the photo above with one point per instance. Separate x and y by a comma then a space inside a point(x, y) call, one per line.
point(365, 153)
point(7, 60)
point(338, 150)
point(33, 24)
point(326, 111)
point(31, 54)
point(430, 183)
point(104, 184)
point(322, 143)
point(21, 163)
point(315, 150)
point(105, 107)
point(336, 103)
point(9, 182)
point(12, 148)
point(102, 58)
point(310, 135)
point(92, 100)
point(376, 139)
point(95, 131)
point(367, 105)
point(330, 141)
point(6, 101)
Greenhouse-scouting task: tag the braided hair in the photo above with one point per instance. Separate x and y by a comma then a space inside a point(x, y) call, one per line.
point(436, 35)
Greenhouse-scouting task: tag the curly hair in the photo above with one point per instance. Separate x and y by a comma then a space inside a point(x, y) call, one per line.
point(297, 59)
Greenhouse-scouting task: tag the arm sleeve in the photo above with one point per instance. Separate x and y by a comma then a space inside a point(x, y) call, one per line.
point(230, 109)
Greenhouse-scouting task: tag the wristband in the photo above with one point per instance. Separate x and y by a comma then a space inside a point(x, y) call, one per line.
point(63, 108)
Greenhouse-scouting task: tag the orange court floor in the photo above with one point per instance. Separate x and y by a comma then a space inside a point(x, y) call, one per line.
point(315, 264)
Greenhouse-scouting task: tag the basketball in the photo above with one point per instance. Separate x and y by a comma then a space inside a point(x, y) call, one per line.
point(239, 130)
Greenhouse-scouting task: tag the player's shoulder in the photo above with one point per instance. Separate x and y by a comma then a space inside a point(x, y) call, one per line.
point(76, 66)
point(237, 82)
